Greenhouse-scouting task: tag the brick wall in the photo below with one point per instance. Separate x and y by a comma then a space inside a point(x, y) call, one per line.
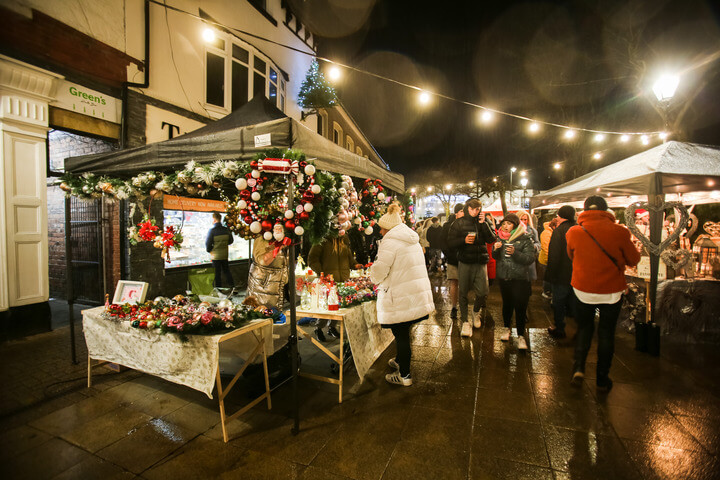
point(60, 146)
point(50, 44)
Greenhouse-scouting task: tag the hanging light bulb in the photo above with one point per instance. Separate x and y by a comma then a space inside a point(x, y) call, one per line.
point(645, 139)
point(334, 73)
point(599, 137)
point(625, 138)
point(534, 127)
point(597, 156)
point(208, 35)
point(663, 135)
point(557, 166)
point(424, 97)
point(486, 116)
point(570, 133)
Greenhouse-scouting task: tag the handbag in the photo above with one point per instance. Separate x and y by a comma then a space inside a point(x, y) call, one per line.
point(604, 251)
point(267, 284)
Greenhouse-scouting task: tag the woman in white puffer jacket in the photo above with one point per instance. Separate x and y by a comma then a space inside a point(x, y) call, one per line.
point(404, 293)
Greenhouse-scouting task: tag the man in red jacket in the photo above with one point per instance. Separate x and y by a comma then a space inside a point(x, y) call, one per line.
point(599, 249)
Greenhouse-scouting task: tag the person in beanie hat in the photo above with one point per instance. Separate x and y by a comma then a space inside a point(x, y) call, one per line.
point(470, 236)
point(513, 252)
point(559, 272)
point(599, 249)
point(404, 292)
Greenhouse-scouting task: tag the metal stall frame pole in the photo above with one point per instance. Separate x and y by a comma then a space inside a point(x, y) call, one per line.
point(656, 198)
point(293, 339)
point(69, 278)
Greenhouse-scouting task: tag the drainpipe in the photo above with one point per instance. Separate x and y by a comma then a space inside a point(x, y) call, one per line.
point(145, 84)
point(124, 135)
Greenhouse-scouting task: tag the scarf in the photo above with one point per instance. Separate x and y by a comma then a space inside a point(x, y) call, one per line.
point(509, 237)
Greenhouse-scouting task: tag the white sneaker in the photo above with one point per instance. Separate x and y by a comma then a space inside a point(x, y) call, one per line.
point(398, 379)
point(522, 344)
point(477, 318)
point(466, 330)
point(393, 364)
point(505, 336)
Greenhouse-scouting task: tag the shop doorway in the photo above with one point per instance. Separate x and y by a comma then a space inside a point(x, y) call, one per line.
point(87, 217)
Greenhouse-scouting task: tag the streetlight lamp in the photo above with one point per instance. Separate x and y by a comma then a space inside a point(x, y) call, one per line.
point(664, 90)
point(512, 170)
point(524, 182)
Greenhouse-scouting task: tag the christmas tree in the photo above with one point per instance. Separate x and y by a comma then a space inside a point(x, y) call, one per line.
point(316, 92)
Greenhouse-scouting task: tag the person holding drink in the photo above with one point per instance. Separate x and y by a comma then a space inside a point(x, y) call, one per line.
point(513, 252)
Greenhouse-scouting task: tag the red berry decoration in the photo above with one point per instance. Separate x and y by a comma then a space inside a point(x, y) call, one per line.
point(290, 225)
point(266, 225)
point(248, 219)
point(245, 194)
point(304, 216)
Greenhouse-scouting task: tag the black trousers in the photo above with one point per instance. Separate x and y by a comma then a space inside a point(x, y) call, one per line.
point(515, 297)
point(585, 317)
point(222, 267)
point(401, 331)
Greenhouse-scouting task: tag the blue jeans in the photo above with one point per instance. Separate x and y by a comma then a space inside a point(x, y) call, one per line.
point(585, 317)
point(563, 299)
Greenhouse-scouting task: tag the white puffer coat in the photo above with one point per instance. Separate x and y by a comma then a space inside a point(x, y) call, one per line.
point(404, 292)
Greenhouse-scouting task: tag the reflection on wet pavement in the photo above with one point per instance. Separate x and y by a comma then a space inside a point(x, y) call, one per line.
point(478, 408)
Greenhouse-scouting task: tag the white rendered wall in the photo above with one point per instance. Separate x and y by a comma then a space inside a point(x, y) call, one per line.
point(25, 92)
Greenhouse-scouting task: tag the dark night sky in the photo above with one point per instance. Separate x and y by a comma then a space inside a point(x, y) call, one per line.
point(583, 63)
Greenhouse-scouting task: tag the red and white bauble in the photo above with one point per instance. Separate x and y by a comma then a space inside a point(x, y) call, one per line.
point(268, 236)
point(242, 204)
point(255, 227)
point(289, 214)
point(299, 230)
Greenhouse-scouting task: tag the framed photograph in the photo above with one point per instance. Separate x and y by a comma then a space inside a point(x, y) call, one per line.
point(128, 291)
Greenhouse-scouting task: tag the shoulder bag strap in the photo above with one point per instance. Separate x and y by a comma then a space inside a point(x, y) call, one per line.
point(603, 250)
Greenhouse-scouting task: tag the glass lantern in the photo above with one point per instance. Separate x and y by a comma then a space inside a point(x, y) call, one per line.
point(705, 250)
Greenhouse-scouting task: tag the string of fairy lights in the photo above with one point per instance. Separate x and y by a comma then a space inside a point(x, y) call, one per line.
point(664, 90)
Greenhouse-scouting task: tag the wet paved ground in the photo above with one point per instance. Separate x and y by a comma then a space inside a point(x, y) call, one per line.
point(478, 409)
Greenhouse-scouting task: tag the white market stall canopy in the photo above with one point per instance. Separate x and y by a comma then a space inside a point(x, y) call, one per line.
point(234, 137)
point(682, 167)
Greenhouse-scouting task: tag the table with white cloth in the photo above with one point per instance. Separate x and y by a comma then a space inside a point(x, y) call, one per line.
point(366, 337)
point(193, 362)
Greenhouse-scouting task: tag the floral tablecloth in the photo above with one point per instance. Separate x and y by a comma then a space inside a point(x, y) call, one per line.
point(367, 338)
point(193, 363)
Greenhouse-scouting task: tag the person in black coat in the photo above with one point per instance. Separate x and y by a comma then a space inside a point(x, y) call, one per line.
point(470, 236)
point(451, 272)
point(559, 272)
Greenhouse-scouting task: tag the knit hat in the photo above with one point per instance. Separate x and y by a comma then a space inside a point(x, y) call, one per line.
point(567, 212)
point(391, 218)
point(512, 218)
point(595, 202)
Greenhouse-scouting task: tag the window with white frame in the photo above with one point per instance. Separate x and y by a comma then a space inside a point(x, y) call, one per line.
point(337, 134)
point(349, 144)
point(235, 72)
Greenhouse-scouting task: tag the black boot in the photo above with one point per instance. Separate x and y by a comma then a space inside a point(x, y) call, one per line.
point(320, 335)
point(333, 332)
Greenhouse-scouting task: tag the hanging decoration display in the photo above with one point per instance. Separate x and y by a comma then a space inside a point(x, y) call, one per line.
point(349, 203)
point(372, 205)
point(261, 205)
point(256, 194)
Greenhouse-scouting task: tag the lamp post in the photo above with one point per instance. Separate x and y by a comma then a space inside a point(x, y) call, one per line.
point(664, 90)
point(524, 182)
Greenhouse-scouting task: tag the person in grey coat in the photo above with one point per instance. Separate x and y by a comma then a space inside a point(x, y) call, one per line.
point(513, 252)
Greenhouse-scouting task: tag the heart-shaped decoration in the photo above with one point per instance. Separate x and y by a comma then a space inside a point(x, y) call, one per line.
point(712, 228)
point(676, 258)
point(656, 249)
point(692, 224)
